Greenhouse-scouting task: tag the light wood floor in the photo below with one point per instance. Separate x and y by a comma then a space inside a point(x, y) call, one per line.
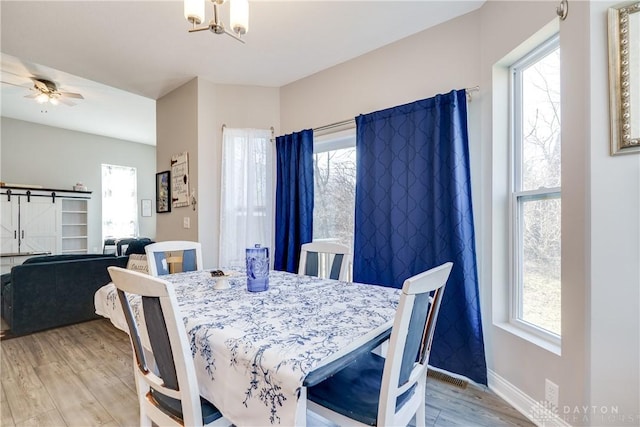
point(81, 375)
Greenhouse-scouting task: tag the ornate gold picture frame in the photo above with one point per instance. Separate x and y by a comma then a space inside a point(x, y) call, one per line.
point(624, 77)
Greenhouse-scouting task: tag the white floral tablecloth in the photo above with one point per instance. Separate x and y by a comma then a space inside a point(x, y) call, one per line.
point(252, 351)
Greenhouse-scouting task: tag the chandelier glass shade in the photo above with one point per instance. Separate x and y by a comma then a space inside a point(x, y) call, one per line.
point(194, 12)
point(239, 16)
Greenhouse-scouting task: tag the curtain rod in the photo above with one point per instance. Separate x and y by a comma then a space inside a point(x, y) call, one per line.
point(352, 121)
point(471, 89)
point(273, 131)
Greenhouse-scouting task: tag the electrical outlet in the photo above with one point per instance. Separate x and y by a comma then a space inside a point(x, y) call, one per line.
point(551, 392)
point(186, 222)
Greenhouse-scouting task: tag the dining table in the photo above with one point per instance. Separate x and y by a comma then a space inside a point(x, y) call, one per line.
point(254, 352)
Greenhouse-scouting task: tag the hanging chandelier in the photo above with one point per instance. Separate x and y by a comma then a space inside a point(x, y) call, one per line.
point(239, 17)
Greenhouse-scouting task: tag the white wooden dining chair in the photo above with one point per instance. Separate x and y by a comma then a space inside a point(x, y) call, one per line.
point(168, 395)
point(373, 390)
point(160, 256)
point(325, 259)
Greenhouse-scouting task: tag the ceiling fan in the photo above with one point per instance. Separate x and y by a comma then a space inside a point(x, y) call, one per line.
point(47, 91)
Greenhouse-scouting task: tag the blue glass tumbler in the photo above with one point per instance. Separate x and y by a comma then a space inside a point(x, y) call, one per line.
point(257, 269)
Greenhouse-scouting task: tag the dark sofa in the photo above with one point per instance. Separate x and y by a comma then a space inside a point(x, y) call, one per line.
point(56, 290)
point(51, 291)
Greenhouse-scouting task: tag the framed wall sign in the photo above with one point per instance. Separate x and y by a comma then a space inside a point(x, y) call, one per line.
point(180, 180)
point(163, 192)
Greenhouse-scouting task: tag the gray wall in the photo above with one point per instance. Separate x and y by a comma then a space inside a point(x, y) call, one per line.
point(177, 131)
point(58, 158)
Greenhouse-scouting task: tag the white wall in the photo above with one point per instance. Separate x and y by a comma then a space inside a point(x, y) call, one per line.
point(517, 367)
point(191, 118)
point(59, 158)
point(236, 107)
point(614, 221)
point(399, 73)
point(599, 360)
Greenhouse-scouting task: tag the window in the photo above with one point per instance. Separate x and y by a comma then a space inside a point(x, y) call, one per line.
point(246, 198)
point(334, 163)
point(535, 191)
point(119, 201)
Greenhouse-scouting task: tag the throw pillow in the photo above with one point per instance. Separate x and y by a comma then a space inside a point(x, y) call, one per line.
point(138, 263)
point(136, 246)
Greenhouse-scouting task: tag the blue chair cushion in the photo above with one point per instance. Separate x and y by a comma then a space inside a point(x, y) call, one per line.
point(209, 412)
point(355, 390)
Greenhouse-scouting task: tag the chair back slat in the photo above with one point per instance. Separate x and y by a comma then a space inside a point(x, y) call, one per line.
point(189, 262)
point(415, 334)
point(134, 333)
point(325, 259)
point(432, 316)
point(159, 341)
point(161, 263)
point(312, 268)
point(336, 266)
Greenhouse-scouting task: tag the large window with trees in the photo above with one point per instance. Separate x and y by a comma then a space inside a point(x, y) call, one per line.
point(119, 201)
point(334, 162)
point(536, 189)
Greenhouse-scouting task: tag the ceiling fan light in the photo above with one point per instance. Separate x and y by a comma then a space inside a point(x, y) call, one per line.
point(194, 11)
point(54, 101)
point(42, 98)
point(239, 16)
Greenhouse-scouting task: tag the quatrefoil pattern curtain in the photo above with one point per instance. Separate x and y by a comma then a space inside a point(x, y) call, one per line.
point(294, 198)
point(413, 212)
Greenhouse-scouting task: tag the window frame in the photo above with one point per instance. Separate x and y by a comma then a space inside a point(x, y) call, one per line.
point(333, 141)
point(136, 218)
point(519, 197)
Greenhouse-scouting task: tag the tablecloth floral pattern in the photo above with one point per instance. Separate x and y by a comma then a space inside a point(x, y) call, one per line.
point(252, 350)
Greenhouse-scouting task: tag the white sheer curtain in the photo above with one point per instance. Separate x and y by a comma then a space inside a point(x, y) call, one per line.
point(246, 206)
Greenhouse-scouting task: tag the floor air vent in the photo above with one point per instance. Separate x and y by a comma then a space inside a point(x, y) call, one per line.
point(441, 376)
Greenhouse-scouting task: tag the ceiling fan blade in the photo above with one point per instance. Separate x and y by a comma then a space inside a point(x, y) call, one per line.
point(66, 102)
point(71, 95)
point(32, 95)
point(12, 84)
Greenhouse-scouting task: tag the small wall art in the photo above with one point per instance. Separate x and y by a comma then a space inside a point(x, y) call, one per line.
point(163, 192)
point(146, 207)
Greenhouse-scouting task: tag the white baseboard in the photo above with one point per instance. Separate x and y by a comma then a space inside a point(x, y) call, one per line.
point(535, 411)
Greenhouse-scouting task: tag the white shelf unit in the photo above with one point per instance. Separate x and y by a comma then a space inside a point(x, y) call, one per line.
point(75, 236)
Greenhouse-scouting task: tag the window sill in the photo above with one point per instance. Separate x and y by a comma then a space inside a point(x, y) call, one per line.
point(530, 337)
